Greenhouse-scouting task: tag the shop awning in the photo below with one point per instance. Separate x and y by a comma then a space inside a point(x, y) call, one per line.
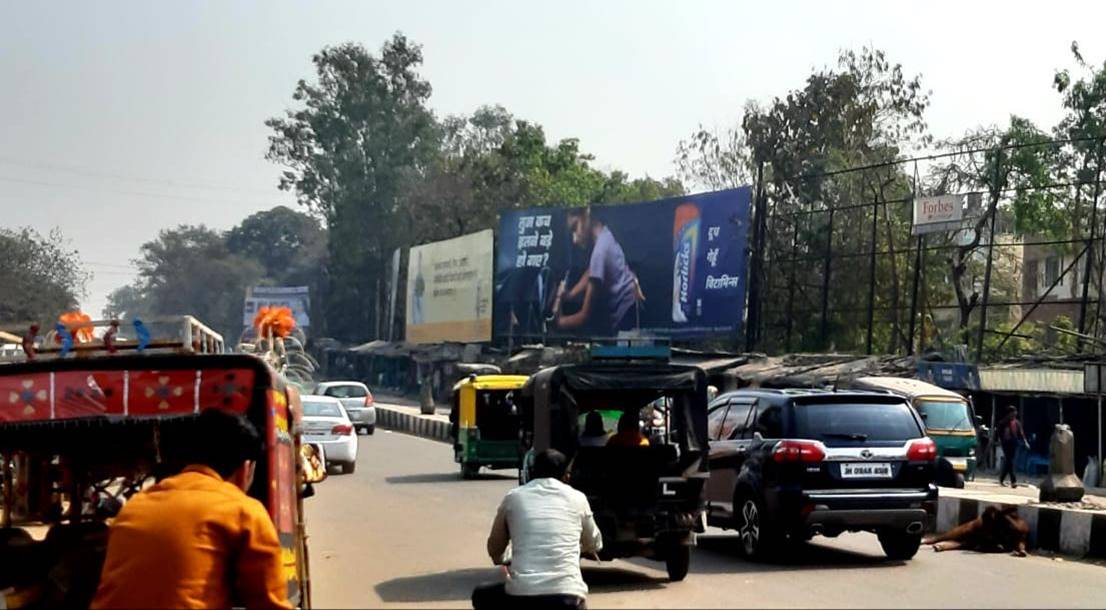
point(1031, 381)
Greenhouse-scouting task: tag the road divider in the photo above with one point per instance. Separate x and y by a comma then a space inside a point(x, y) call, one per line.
point(409, 421)
point(1068, 531)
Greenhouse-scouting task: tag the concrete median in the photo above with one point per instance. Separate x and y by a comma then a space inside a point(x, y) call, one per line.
point(409, 421)
point(1079, 531)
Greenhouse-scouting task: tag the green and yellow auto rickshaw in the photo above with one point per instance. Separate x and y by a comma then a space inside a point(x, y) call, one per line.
point(484, 423)
point(949, 419)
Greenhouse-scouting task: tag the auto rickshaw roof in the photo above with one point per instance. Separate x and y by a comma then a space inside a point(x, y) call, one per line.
point(907, 388)
point(492, 382)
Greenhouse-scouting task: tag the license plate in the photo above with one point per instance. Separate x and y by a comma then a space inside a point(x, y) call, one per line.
point(865, 470)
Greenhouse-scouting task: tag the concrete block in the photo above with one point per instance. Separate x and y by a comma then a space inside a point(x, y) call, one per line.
point(1029, 514)
point(948, 513)
point(1075, 533)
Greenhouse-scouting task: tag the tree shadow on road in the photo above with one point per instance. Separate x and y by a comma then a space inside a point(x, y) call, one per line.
point(723, 556)
point(445, 477)
point(451, 585)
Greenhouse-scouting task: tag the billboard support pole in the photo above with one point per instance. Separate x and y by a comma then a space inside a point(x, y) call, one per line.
point(917, 271)
point(990, 262)
point(872, 276)
point(752, 320)
point(1089, 268)
point(791, 280)
point(826, 270)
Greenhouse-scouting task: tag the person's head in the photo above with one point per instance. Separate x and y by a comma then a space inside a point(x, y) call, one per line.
point(1011, 411)
point(550, 464)
point(227, 443)
point(629, 422)
point(579, 222)
point(593, 424)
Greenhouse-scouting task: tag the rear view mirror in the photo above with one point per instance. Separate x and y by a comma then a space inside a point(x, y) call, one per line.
point(978, 420)
point(757, 436)
point(313, 463)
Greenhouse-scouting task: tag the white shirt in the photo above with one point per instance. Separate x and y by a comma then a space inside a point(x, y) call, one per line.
point(548, 525)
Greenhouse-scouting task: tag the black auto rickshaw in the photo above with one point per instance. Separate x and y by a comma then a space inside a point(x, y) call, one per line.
point(484, 423)
point(647, 500)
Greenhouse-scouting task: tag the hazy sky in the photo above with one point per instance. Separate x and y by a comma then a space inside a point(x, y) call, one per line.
point(122, 118)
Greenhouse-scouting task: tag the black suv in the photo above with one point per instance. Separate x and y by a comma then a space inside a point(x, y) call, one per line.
point(793, 464)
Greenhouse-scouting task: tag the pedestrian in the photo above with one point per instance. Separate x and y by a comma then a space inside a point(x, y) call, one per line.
point(195, 539)
point(549, 526)
point(1010, 434)
point(594, 434)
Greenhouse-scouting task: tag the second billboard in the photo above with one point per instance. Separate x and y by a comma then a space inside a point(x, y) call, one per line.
point(674, 267)
point(449, 286)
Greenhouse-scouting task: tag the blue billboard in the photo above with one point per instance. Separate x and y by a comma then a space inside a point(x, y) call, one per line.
point(669, 268)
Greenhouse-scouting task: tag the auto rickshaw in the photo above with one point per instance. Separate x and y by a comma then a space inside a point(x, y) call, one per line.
point(949, 418)
point(647, 501)
point(80, 433)
point(484, 423)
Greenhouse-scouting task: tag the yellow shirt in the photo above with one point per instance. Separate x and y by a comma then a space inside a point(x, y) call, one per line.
point(628, 439)
point(192, 541)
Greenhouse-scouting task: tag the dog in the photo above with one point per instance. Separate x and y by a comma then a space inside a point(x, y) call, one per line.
point(997, 530)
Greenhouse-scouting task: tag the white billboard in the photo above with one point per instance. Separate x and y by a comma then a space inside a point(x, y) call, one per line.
point(449, 290)
point(940, 213)
point(296, 298)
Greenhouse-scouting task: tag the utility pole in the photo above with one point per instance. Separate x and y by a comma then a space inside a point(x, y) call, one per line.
point(752, 319)
point(995, 194)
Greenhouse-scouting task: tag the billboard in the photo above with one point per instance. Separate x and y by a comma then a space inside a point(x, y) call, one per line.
point(668, 268)
point(296, 298)
point(940, 213)
point(449, 290)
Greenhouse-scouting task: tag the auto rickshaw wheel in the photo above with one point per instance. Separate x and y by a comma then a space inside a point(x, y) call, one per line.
point(469, 470)
point(677, 561)
point(958, 483)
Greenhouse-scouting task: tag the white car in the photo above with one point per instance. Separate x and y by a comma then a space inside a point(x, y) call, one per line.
point(356, 398)
point(325, 423)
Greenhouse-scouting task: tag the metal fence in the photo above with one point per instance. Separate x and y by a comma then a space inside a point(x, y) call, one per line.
point(835, 266)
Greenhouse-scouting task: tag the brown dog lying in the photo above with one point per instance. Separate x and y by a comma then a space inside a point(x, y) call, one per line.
point(997, 530)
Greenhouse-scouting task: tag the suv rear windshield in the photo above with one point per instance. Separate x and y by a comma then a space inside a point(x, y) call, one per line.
point(346, 391)
point(838, 424)
point(945, 415)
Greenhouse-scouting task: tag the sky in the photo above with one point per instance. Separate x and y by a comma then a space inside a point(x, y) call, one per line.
point(124, 118)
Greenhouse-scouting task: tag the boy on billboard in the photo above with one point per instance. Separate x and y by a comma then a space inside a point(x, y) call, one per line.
point(607, 290)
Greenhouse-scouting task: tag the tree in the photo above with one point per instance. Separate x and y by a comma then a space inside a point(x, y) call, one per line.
point(40, 276)
point(190, 270)
point(289, 245)
point(359, 128)
point(127, 302)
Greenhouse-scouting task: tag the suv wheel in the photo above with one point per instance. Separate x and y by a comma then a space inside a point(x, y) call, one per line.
point(899, 545)
point(754, 535)
point(677, 562)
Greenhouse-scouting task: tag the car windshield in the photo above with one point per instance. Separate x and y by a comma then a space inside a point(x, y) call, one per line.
point(321, 409)
point(346, 391)
point(945, 415)
point(840, 423)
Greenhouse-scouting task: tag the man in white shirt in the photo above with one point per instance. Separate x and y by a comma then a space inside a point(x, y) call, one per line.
point(548, 525)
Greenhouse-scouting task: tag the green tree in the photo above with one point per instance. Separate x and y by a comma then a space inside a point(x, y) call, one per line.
point(127, 302)
point(289, 245)
point(190, 270)
point(40, 276)
point(358, 129)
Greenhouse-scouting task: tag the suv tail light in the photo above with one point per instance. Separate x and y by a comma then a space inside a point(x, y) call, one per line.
point(799, 451)
point(368, 400)
point(922, 450)
point(342, 430)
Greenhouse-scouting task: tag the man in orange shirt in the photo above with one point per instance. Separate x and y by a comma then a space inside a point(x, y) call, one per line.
point(196, 540)
point(629, 432)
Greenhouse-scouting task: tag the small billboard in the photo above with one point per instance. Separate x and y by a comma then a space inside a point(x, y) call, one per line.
point(936, 214)
point(296, 298)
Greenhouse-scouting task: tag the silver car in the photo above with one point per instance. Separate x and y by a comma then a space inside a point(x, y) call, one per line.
point(357, 400)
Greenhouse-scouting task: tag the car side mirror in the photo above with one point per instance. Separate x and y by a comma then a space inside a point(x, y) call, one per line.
point(978, 420)
point(757, 436)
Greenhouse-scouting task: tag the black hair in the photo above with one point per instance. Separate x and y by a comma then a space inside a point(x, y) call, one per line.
point(218, 439)
point(629, 421)
point(593, 424)
point(549, 463)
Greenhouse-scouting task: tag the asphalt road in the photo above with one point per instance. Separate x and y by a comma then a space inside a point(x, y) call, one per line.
point(405, 531)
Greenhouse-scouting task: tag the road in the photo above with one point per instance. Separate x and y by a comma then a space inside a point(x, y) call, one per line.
point(405, 531)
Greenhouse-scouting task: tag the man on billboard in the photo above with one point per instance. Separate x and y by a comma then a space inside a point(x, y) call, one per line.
point(607, 290)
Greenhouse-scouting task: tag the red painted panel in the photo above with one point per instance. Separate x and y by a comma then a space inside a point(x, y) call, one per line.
point(161, 392)
point(86, 394)
point(228, 389)
point(25, 397)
